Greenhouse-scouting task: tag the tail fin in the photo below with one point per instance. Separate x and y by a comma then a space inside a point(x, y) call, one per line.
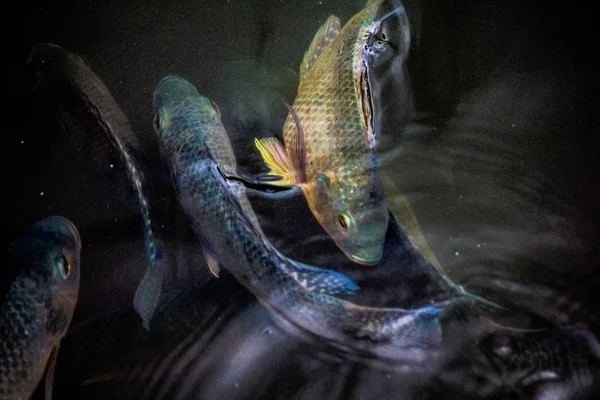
point(422, 327)
point(322, 280)
point(148, 292)
point(403, 328)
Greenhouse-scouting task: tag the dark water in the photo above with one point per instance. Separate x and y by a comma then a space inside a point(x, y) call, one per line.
point(499, 161)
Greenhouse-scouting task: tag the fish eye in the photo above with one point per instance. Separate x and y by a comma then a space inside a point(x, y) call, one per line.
point(156, 122)
point(64, 266)
point(344, 221)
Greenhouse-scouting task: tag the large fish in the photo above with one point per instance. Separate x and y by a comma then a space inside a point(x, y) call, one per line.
point(90, 115)
point(38, 301)
point(186, 123)
point(329, 136)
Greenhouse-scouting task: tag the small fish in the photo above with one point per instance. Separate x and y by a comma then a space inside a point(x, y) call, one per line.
point(91, 117)
point(329, 136)
point(186, 124)
point(38, 305)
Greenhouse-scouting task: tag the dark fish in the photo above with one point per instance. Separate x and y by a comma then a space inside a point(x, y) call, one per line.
point(89, 113)
point(38, 305)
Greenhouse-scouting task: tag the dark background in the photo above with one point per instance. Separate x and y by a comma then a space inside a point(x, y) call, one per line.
point(500, 160)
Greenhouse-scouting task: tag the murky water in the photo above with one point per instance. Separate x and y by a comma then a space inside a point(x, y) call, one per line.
point(498, 161)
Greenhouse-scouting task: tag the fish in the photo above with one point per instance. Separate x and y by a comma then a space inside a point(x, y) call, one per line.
point(302, 294)
point(39, 297)
point(89, 114)
point(329, 136)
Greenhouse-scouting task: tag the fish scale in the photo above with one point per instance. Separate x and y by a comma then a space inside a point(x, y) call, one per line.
point(38, 306)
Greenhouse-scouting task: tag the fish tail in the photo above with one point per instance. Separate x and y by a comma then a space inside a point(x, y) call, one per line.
point(148, 292)
point(403, 328)
point(424, 328)
point(322, 280)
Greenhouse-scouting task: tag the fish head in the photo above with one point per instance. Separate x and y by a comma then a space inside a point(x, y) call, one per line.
point(48, 63)
point(355, 216)
point(173, 99)
point(47, 261)
point(171, 93)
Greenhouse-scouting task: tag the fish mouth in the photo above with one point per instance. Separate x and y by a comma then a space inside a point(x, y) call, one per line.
point(370, 261)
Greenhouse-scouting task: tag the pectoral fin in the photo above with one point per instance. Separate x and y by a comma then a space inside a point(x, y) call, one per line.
point(325, 35)
point(323, 280)
point(50, 368)
point(213, 264)
point(276, 158)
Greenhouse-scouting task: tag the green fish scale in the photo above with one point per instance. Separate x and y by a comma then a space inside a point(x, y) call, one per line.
point(22, 315)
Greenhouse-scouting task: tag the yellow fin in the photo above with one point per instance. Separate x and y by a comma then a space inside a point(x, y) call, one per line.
point(276, 158)
point(325, 35)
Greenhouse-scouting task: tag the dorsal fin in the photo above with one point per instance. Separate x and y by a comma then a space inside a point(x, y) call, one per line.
point(326, 33)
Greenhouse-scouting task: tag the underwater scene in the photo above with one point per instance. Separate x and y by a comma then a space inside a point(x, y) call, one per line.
point(261, 199)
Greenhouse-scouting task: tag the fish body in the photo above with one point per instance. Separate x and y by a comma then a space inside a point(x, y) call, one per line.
point(329, 137)
point(90, 115)
point(197, 122)
point(41, 294)
point(300, 293)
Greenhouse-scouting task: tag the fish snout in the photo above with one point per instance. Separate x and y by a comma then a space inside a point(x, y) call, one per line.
point(369, 256)
point(369, 237)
